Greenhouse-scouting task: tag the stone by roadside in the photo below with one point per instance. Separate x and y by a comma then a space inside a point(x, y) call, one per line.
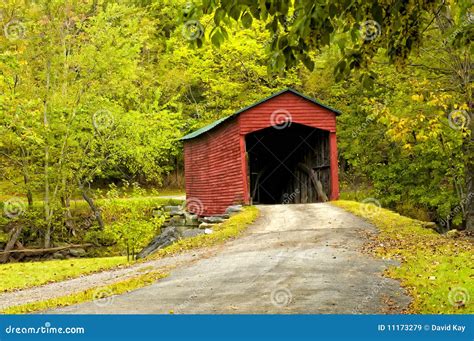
point(182, 224)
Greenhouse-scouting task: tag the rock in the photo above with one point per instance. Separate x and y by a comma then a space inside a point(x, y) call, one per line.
point(192, 233)
point(168, 236)
point(181, 229)
point(174, 210)
point(191, 219)
point(77, 252)
point(208, 231)
point(429, 225)
point(58, 255)
point(213, 220)
point(452, 233)
point(233, 209)
point(205, 225)
point(177, 221)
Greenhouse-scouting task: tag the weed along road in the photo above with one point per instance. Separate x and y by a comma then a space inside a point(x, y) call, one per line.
point(303, 258)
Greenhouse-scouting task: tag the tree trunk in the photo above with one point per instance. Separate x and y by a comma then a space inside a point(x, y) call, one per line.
point(68, 221)
point(47, 207)
point(39, 252)
point(29, 194)
point(14, 235)
point(469, 152)
point(94, 208)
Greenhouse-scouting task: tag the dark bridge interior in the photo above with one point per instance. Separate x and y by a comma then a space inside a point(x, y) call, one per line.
point(288, 164)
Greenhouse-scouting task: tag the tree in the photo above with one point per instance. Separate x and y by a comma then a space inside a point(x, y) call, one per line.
point(362, 30)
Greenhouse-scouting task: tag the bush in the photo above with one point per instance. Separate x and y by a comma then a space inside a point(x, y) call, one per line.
point(100, 238)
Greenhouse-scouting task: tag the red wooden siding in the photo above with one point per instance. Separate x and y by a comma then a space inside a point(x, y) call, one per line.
point(213, 168)
point(301, 110)
point(216, 166)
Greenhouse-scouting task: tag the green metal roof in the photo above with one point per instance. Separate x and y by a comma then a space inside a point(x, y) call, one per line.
point(214, 124)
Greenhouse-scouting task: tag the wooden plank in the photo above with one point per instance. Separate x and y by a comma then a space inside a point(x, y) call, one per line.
point(316, 183)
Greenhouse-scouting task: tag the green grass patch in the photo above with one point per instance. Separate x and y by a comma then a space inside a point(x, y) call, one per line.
point(51, 271)
point(171, 191)
point(24, 275)
point(437, 270)
point(101, 294)
point(229, 229)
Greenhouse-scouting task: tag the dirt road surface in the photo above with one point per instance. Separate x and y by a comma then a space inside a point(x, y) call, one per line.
point(295, 259)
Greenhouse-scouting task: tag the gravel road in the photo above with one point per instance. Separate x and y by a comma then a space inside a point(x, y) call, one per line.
point(295, 259)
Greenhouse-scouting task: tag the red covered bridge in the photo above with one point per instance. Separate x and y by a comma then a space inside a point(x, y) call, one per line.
point(281, 149)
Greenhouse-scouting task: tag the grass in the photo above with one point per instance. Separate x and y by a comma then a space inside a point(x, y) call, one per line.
point(56, 270)
point(437, 270)
point(102, 295)
point(14, 276)
point(227, 230)
point(25, 275)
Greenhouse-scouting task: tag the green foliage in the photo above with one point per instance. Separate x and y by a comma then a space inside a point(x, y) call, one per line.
point(99, 92)
point(303, 26)
point(133, 223)
point(396, 140)
point(432, 265)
